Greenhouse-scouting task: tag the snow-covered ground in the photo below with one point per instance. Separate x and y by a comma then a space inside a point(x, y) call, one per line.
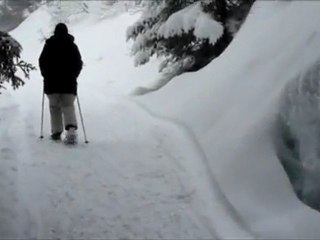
point(231, 107)
point(194, 160)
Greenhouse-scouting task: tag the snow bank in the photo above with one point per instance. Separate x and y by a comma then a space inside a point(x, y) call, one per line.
point(232, 104)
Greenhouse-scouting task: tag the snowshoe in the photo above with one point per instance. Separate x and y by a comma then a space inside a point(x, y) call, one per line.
point(71, 137)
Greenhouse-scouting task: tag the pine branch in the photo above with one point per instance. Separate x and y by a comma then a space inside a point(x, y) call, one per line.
point(25, 67)
point(10, 62)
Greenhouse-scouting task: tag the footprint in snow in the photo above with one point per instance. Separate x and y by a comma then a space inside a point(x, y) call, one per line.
point(6, 153)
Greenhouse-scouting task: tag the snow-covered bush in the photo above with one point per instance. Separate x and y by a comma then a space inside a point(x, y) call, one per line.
point(10, 61)
point(192, 29)
point(298, 141)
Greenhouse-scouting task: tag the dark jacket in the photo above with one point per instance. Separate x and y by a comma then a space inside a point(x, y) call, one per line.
point(60, 64)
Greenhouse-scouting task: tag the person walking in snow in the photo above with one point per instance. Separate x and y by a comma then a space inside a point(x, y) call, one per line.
point(60, 65)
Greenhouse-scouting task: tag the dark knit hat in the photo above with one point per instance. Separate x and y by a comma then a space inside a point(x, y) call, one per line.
point(61, 29)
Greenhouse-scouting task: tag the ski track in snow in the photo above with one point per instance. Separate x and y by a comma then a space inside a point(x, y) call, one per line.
point(216, 201)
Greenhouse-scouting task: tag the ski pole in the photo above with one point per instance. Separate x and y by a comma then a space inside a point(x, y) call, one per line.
point(42, 116)
point(82, 122)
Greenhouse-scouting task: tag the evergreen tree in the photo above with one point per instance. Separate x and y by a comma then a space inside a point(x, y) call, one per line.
point(187, 33)
point(10, 61)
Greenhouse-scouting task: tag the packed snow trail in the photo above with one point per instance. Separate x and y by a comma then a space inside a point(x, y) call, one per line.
point(126, 184)
point(134, 180)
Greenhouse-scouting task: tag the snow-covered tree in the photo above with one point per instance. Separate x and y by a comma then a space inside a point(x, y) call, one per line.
point(13, 12)
point(74, 11)
point(63, 11)
point(10, 61)
point(188, 34)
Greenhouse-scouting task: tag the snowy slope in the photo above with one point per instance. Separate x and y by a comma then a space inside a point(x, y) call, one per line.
point(194, 160)
point(231, 106)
